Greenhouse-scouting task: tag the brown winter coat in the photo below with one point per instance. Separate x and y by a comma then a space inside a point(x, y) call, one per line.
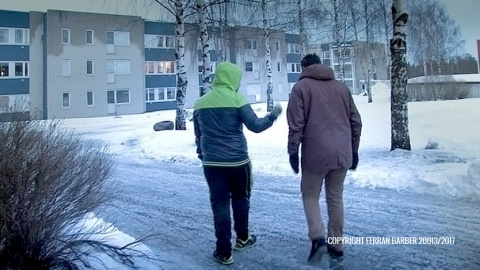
point(323, 118)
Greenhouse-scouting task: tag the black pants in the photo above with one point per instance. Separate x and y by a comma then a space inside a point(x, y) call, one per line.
point(227, 183)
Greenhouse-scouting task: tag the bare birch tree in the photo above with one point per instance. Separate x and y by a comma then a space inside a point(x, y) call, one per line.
point(206, 65)
point(178, 9)
point(268, 58)
point(435, 37)
point(399, 107)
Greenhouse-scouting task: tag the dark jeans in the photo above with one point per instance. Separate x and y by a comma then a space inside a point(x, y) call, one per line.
point(227, 183)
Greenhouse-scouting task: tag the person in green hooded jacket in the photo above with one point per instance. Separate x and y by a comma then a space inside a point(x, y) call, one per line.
point(219, 117)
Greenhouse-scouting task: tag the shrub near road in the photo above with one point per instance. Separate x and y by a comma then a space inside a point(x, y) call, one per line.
point(49, 181)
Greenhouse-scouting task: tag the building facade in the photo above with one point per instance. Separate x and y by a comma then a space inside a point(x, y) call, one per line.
point(355, 63)
point(14, 63)
point(63, 64)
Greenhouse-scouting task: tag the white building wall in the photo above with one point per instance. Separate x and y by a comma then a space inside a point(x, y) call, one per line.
point(78, 52)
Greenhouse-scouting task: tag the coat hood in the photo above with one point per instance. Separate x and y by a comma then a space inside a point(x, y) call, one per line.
point(224, 89)
point(227, 77)
point(318, 72)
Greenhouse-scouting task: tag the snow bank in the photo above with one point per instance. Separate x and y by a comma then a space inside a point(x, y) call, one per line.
point(106, 232)
point(449, 128)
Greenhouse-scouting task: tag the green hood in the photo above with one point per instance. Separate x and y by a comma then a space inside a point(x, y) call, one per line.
point(224, 89)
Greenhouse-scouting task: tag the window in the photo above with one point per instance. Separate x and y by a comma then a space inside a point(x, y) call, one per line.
point(123, 96)
point(150, 94)
point(18, 103)
point(4, 69)
point(14, 36)
point(253, 89)
point(89, 99)
point(294, 68)
point(66, 100)
point(278, 45)
point(118, 67)
point(251, 44)
point(347, 52)
point(159, 41)
point(160, 94)
point(118, 96)
point(171, 93)
point(4, 104)
point(65, 67)
point(249, 66)
point(89, 37)
point(65, 36)
point(213, 67)
point(293, 48)
point(19, 36)
point(13, 69)
point(4, 36)
point(149, 67)
point(19, 69)
point(279, 67)
point(326, 54)
point(159, 67)
point(89, 67)
point(118, 38)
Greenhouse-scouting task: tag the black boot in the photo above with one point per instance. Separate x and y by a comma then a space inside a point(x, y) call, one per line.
point(316, 245)
point(334, 253)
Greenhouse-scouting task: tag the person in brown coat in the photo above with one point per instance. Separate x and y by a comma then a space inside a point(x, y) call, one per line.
point(323, 118)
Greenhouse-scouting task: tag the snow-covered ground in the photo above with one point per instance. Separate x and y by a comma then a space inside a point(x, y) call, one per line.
point(444, 161)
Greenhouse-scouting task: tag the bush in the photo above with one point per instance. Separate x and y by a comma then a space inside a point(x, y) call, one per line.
point(49, 181)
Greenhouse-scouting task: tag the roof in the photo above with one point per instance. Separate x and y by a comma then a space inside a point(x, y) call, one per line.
point(469, 78)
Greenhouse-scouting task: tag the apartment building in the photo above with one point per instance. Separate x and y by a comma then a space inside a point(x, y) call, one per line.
point(63, 64)
point(14, 64)
point(354, 62)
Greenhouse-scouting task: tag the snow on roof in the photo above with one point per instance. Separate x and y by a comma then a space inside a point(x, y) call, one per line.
point(471, 78)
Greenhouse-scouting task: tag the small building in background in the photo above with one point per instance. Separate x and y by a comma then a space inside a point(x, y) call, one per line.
point(444, 87)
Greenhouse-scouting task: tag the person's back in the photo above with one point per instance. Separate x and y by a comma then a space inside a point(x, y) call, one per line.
point(327, 132)
point(218, 121)
point(323, 119)
point(219, 117)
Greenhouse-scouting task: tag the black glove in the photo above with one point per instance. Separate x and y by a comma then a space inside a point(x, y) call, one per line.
point(276, 111)
point(355, 161)
point(294, 162)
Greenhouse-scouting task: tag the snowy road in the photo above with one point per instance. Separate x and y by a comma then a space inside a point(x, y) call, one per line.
point(171, 199)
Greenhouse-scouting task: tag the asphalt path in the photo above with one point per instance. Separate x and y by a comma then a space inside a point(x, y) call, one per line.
point(388, 229)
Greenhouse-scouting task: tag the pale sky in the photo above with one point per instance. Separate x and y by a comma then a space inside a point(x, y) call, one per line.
point(464, 12)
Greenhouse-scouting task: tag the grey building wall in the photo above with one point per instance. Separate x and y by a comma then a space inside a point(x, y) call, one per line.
point(78, 52)
point(379, 67)
point(259, 75)
point(36, 65)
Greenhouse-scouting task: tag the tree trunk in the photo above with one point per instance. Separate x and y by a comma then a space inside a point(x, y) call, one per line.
point(207, 67)
point(338, 41)
point(182, 81)
point(303, 35)
point(268, 58)
point(369, 50)
point(399, 107)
